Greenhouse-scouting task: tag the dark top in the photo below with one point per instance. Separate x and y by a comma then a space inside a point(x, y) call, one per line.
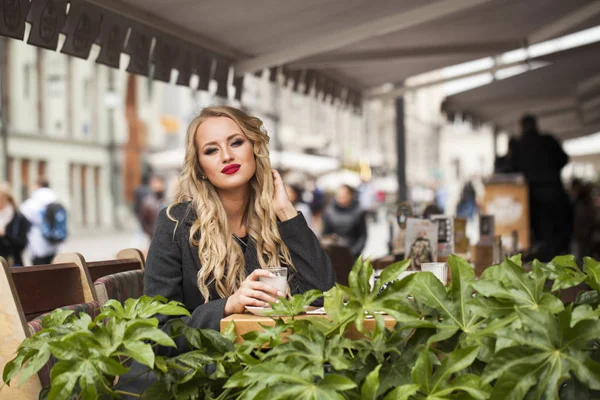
point(173, 263)
point(14, 240)
point(540, 158)
point(349, 223)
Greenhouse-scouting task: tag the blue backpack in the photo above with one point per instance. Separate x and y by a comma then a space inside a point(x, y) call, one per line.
point(54, 223)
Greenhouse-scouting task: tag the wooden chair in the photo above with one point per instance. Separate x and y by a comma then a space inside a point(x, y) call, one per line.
point(44, 288)
point(13, 330)
point(26, 295)
point(341, 260)
point(127, 260)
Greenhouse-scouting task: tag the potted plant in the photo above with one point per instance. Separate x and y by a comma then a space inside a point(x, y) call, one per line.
point(504, 336)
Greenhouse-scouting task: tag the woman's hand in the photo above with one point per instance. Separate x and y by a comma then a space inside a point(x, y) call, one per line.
point(283, 206)
point(252, 293)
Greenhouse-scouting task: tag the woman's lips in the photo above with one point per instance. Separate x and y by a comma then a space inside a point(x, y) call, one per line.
point(231, 169)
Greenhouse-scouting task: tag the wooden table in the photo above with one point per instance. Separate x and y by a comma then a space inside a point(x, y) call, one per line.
point(245, 323)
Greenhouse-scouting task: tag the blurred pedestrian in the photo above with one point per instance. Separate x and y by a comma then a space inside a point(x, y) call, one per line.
point(152, 204)
point(467, 205)
point(13, 228)
point(295, 194)
point(346, 221)
point(540, 157)
point(504, 164)
point(48, 223)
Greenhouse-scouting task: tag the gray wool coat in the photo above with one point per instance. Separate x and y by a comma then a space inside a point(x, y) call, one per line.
point(172, 266)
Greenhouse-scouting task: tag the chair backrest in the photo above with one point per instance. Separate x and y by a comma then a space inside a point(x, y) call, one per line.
point(13, 330)
point(127, 260)
point(341, 260)
point(120, 286)
point(44, 288)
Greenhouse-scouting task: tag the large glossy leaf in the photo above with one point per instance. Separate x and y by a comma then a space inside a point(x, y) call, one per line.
point(516, 289)
point(454, 305)
point(441, 383)
point(563, 270)
point(390, 273)
point(368, 390)
point(546, 352)
point(592, 268)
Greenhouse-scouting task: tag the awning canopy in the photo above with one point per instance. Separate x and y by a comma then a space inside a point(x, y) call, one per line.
point(338, 47)
point(564, 94)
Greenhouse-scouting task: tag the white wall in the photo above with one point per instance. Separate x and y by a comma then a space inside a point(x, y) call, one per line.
point(23, 88)
point(54, 97)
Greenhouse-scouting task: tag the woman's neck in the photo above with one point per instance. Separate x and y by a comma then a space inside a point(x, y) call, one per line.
point(235, 204)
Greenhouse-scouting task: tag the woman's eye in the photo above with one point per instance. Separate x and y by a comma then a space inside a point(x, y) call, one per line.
point(208, 152)
point(237, 142)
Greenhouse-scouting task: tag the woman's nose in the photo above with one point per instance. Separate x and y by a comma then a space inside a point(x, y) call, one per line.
point(227, 156)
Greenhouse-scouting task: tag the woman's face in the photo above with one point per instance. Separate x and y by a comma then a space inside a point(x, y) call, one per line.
point(225, 153)
point(343, 197)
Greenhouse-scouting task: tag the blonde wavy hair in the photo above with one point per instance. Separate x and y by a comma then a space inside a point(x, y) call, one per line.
point(221, 258)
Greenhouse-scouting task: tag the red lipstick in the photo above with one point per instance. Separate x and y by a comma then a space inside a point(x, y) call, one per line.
point(231, 169)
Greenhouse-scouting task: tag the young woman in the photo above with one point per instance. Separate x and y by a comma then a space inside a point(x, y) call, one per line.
point(232, 219)
point(13, 228)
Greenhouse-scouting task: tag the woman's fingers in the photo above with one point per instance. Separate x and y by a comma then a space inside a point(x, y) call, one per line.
point(263, 287)
point(257, 273)
point(256, 296)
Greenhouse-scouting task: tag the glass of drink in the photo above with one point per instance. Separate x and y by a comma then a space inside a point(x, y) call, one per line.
point(440, 270)
point(279, 281)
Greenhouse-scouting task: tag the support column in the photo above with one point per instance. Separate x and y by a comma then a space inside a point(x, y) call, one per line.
point(33, 175)
point(106, 199)
point(90, 198)
point(16, 178)
point(401, 150)
point(77, 190)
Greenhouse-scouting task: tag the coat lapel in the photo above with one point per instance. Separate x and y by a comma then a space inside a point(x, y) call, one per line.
point(250, 261)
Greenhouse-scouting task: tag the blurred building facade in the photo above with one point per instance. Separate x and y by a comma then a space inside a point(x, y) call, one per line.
point(79, 124)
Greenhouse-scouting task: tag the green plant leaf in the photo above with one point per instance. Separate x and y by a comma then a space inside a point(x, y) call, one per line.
point(55, 318)
point(467, 383)
point(140, 352)
point(63, 376)
point(390, 273)
point(12, 368)
point(402, 392)
point(456, 361)
point(588, 297)
point(546, 350)
point(592, 269)
point(336, 382)
point(34, 364)
point(368, 390)
point(422, 371)
point(583, 312)
point(354, 281)
point(144, 332)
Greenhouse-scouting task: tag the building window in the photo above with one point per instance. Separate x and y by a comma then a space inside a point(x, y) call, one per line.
point(27, 80)
point(87, 93)
point(456, 168)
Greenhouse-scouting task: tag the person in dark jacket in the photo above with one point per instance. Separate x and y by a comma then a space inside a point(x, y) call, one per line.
point(541, 158)
point(231, 220)
point(13, 228)
point(345, 220)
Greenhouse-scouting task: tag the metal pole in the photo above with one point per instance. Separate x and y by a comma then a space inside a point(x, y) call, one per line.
point(3, 105)
point(401, 149)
